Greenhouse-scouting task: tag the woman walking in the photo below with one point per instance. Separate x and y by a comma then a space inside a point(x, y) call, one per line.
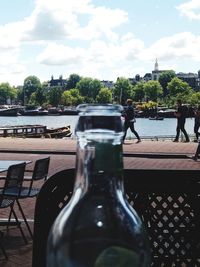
point(129, 117)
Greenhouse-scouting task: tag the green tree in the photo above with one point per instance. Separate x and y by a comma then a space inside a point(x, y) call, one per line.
point(138, 91)
point(194, 99)
point(164, 78)
point(72, 81)
point(178, 88)
point(38, 97)
point(31, 84)
point(54, 95)
point(71, 97)
point(7, 92)
point(89, 88)
point(104, 96)
point(122, 90)
point(153, 90)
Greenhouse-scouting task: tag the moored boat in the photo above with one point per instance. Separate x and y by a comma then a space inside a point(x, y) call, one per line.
point(58, 132)
point(156, 118)
point(35, 131)
point(34, 111)
point(54, 111)
point(9, 111)
point(69, 111)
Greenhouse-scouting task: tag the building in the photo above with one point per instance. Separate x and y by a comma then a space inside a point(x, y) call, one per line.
point(192, 79)
point(108, 84)
point(156, 72)
point(147, 77)
point(57, 82)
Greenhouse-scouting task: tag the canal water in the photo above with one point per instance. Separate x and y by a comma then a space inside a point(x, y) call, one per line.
point(143, 126)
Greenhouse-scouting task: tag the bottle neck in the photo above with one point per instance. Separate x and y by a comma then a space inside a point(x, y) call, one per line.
point(99, 165)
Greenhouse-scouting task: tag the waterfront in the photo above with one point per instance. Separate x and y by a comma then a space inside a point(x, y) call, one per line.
point(144, 127)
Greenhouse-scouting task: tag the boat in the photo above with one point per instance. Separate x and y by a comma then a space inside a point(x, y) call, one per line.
point(167, 113)
point(69, 111)
point(35, 131)
point(9, 111)
point(34, 111)
point(59, 132)
point(54, 111)
point(157, 118)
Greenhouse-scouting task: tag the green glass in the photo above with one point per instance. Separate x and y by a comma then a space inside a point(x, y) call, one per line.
point(98, 228)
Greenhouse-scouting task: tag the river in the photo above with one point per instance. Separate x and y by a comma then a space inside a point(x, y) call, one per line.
point(144, 127)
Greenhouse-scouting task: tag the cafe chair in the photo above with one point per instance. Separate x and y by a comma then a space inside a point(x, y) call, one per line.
point(12, 183)
point(168, 202)
point(39, 173)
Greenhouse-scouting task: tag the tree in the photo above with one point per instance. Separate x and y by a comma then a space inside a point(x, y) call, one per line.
point(89, 88)
point(54, 96)
point(138, 91)
point(104, 96)
point(38, 97)
point(194, 99)
point(71, 97)
point(122, 90)
point(153, 90)
point(178, 88)
point(7, 92)
point(72, 81)
point(31, 84)
point(164, 78)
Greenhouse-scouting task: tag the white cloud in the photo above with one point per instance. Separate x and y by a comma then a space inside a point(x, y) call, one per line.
point(190, 9)
point(77, 19)
point(178, 46)
point(97, 52)
point(84, 38)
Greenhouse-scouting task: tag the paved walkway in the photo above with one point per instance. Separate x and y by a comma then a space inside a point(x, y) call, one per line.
point(145, 155)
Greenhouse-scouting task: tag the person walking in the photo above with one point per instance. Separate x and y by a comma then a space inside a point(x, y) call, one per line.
point(197, 123)
point(129, 117)
point(181, 115)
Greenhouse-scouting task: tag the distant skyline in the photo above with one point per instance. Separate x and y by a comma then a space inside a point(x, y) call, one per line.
point(101, 39)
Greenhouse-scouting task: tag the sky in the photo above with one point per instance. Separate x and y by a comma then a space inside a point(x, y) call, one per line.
point(102, 39)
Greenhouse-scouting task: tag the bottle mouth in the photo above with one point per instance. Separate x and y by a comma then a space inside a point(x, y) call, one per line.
point(100, 109)
point(99, 118)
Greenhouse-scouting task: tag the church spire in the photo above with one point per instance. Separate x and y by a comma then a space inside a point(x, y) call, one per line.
point(156, 65)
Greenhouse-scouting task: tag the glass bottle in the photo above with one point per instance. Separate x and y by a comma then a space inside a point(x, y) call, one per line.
point(98, 228)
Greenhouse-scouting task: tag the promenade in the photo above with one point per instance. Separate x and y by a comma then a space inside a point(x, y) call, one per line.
point(145, 155)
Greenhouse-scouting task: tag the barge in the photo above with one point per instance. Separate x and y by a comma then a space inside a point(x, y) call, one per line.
point(35, 131)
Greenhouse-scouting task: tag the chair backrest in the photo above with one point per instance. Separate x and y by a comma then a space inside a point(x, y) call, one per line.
point(41, 169)
point(167, 201)
point(14, 179)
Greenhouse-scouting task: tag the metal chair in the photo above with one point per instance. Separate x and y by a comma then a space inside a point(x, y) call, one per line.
point(13, 182)
point(39, 172)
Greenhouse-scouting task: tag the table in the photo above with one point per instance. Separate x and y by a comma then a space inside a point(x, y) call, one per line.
point(5, 164)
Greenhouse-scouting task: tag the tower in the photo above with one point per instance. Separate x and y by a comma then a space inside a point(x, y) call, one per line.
point(156, 65)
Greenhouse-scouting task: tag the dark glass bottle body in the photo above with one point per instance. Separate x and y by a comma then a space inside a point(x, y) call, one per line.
point(98, 228)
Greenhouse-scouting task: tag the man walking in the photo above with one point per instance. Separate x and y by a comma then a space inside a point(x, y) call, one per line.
point(129, 117)
point(181, 118)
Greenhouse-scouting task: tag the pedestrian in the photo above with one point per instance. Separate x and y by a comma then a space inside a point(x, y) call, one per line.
point(181, 115)
point(197, 153)
point(197, 123)
point(129, 117)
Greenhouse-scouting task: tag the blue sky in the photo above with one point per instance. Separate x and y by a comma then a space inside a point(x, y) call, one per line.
point(103, 39)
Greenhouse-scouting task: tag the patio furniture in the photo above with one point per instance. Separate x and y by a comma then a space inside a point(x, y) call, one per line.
point(39, 173)
point(13, 180)
point(168, 202)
